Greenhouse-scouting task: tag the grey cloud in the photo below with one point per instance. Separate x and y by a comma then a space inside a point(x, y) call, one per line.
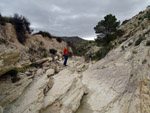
point(70, 17)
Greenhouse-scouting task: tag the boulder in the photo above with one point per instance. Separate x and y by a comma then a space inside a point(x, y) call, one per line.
point(8, 60)
point(50, 72)
point(39, 71)
point(43, 60)
point(31, 100)
point(9, 91)
point(46, 64)
point(65, 94)
point(1, 109)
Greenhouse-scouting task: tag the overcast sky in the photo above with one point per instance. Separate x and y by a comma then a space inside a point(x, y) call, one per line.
point(71, 17)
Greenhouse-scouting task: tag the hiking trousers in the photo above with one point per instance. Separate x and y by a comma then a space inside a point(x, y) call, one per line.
point(65, 61)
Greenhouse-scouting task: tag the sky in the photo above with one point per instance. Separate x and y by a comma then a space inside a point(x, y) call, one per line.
point(71, 17)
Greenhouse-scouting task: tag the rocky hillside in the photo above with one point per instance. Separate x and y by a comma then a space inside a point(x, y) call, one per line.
point(118, 83)
point(72, 39)
point(19, 61)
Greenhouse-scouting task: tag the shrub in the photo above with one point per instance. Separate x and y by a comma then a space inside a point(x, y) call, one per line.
point(44, 34)
point(41, 43)
point(53, 51)
point(148, 14)
point(123, 48)
point(45, 54)
point(99, 41)
point(130, 43)
point(140, 18)
point(2, 41)
point(144, 61)
point(141, 12)
point(59, 40)
point(41, 49)
point(139, 41)
point(32, 50)
point(148, 43)
point(101, 53)
point(124, 22)
point(106, 40)
point(14, 75)
point(119, 32)
point(21, 24)
point(24, 68)
point(3, 20)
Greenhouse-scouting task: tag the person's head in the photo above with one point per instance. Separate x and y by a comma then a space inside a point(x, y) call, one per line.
point(67, 46)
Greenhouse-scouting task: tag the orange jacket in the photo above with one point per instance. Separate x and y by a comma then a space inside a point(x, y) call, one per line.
point(65, 51)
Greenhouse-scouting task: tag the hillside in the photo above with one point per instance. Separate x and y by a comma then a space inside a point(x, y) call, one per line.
point(72, 39)
point(119, 83)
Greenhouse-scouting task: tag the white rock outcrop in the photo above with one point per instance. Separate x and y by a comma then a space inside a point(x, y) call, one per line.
point(8, 60)
point(65, 95)
point(119, 83)
point(32, 98)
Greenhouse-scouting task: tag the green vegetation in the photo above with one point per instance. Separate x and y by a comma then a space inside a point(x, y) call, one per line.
point(108, 29)
point(141, 12)
point(144, 61)
point(123, 48)
point(59, 40)
point(130, 43)
point(107, 26)
point(148, 43)
point(24, 68)
point(138, 41)
point(13, 74)
point(81, 48)
point(140, 18)
point(101, 53)
point(4, 20)
point(148, 14)
point(53, 51)
point(20, 23)
point(45, 54)
point(124, 22)
point(44, 34)
point(2, 41)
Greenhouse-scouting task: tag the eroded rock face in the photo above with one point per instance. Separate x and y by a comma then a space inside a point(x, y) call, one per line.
point(8, 60)
point(31, 100)
point(119, 83)
point(65, 95)
point(9, 91)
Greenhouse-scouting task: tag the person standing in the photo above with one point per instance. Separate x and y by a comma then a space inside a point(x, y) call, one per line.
point(65, 54)
point(90, 55)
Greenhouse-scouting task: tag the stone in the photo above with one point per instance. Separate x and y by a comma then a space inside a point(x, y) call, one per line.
point(50, 72)
point(28, 73)
point(43, 60)
point(39, 71)
point(46, 64)
point(9, 91)
point(65, 94)
point(31, 100)
point(8, 60)
point(1, 109)
point(56, 58)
